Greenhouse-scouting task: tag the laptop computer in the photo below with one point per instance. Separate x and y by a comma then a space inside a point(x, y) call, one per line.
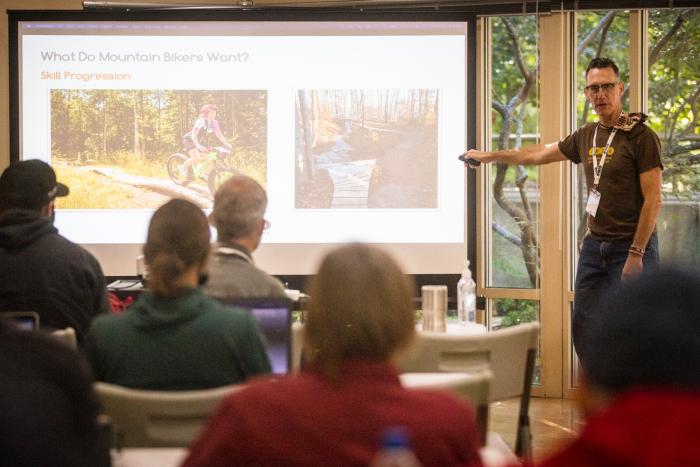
point(24, 320)
point(274, 317)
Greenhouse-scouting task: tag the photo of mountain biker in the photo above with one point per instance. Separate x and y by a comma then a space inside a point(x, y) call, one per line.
point(202, 136)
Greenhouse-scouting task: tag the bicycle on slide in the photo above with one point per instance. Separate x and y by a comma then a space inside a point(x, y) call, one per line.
point(213, 168)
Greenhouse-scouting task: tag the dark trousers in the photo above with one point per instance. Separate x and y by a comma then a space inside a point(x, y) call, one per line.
point(599, 272)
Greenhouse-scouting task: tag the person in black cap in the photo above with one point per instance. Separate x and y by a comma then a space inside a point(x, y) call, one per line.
point(39, 269)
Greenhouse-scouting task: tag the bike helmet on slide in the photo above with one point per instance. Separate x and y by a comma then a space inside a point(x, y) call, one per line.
point(207, 108)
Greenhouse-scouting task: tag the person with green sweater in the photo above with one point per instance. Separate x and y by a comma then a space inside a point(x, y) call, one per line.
point(173, 337)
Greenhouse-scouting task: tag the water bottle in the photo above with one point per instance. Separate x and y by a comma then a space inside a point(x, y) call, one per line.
point(395, 450)
point(466, 297)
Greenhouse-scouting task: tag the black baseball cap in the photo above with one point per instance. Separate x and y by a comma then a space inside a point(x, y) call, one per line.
point(29, 184)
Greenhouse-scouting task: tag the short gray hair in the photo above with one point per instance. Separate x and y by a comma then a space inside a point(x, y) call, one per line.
point(239, 207)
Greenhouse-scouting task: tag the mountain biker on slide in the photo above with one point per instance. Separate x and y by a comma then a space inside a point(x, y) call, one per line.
point(200, 137)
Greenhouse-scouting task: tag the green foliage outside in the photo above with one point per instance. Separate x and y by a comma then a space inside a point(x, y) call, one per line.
point(674, 113)
point(515, 103)
point(674, 97)
point(514, 311)
point(506, 77)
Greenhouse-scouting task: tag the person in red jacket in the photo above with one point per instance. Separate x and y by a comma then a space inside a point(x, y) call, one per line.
point(642, 395)
point(335, 412)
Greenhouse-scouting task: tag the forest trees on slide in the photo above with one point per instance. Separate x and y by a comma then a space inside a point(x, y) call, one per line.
point(138, 129)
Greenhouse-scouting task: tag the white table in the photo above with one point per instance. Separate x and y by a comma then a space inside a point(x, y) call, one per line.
point(456, 328)
point(148, 457)
point(443, 380)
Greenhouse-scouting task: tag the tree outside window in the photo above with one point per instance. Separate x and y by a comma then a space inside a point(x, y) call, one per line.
point(674, 113)
point(514, 246)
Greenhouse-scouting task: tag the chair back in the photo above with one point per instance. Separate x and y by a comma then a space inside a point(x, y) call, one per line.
point(473, 387)
point(505, 352)
point(509, 353)
point(67, 336)
point(143, 418)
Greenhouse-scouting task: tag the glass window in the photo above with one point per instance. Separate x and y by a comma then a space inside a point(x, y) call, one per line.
point(513, 245)
point(674, 113)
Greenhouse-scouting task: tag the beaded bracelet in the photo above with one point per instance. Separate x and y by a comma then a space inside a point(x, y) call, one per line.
point(635, 250)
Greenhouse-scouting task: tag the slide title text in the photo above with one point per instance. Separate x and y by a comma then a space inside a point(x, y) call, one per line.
point(136, 57)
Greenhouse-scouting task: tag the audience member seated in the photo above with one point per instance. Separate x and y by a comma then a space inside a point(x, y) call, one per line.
point(335, 411)
point(48, 413)
point(642, 390)
point(173, 337)
point(239, 207)
point(40, 270)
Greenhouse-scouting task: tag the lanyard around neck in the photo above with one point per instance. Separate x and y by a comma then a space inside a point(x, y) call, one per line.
point(598, 168)
point(222, 250)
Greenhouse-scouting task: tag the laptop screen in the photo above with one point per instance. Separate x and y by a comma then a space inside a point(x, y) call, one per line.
point(24, 320)
point(274, 317)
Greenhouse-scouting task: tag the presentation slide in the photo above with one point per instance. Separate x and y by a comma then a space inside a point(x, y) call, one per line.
point(353, 128)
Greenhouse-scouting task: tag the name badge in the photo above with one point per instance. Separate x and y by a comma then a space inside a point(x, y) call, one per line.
point(593, 202)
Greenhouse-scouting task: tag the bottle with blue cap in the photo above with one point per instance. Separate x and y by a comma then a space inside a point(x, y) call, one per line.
point(395, 450)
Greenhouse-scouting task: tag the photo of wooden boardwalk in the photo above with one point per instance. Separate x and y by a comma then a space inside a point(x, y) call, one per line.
point(350, 178)
point(359, 149)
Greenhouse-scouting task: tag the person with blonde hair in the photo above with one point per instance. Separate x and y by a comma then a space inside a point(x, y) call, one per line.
point(173, 337)
point(337, 409)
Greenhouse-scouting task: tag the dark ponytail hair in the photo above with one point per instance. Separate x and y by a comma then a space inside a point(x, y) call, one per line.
point(178, 238)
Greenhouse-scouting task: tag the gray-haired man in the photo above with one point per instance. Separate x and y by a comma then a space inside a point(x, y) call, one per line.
point(239, 207)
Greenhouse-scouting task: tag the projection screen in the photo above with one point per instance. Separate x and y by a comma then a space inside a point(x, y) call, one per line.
point(352, 123)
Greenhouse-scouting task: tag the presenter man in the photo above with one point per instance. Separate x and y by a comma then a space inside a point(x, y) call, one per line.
point(621, 157)
point(239, 207)
point(39, 269)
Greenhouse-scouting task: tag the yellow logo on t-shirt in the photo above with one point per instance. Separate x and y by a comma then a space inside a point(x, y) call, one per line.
point(599, 152)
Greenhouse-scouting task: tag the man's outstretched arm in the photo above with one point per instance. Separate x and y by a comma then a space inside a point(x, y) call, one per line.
point(533, 154)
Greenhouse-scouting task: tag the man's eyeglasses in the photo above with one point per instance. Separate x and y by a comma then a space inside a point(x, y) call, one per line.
point(594, 89)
